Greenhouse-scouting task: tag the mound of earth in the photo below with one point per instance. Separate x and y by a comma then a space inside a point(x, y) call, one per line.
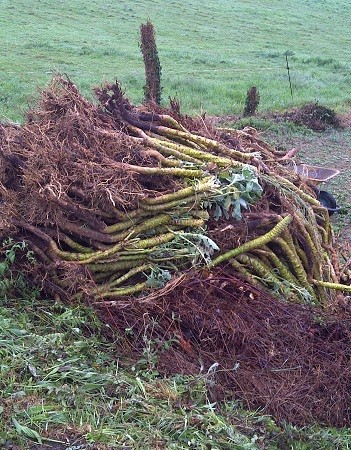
point(313, 116)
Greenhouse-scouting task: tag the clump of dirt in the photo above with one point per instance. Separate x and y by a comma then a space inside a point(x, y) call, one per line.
point(314, 116)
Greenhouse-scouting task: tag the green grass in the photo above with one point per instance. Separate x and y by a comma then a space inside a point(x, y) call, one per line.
point(63, 384)
point(211, 53)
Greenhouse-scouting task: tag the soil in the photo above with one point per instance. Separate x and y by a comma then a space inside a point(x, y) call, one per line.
point(313, 116)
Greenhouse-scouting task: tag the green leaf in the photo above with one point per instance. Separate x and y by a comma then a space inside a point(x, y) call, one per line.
point(26, 431)
point(237, 210)
point(218, 212)
point(253, 186)
point(236, 191)
point(208, 243)
point(10, 255)
point(158, 278)
point(248, 173)
point(3, 268)
point(227, 202)
point(243, 203)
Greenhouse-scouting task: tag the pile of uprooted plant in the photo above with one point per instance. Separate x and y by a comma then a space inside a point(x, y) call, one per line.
point(185, 232)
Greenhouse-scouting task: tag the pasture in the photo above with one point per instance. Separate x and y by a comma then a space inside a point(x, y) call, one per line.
point(210, 53)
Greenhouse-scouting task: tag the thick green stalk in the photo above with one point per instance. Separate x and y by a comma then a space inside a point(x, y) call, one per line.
point(324, 234)
point(194, 223)
point(203, 155)
point(146, 225)
point(268, 277)
point(172, 171)
point(112, 266)
point(154, 241)
point(262, 269)
point(170, 152)
point(145, 243)
point(62, 237)
point(166, 162)
point(325, 220)
point(101, 277)
point(249, 277)
point(135, 252)
point(108, 287)
point(306, 261)
point(169, 120)
point(206, 184)
point(278, 264)
point(331, 270)
point(130, 257)
point(290, 252)
point(130, 274)
point(83, 258)
point(194, 199)
point(311, 241)
point(336, 286)
point(75, 246)
point(205, 142)
point(125, 225)
point(255, 243)
point(120, 292)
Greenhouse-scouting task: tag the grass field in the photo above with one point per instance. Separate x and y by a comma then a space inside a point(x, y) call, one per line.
point(211, 53)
